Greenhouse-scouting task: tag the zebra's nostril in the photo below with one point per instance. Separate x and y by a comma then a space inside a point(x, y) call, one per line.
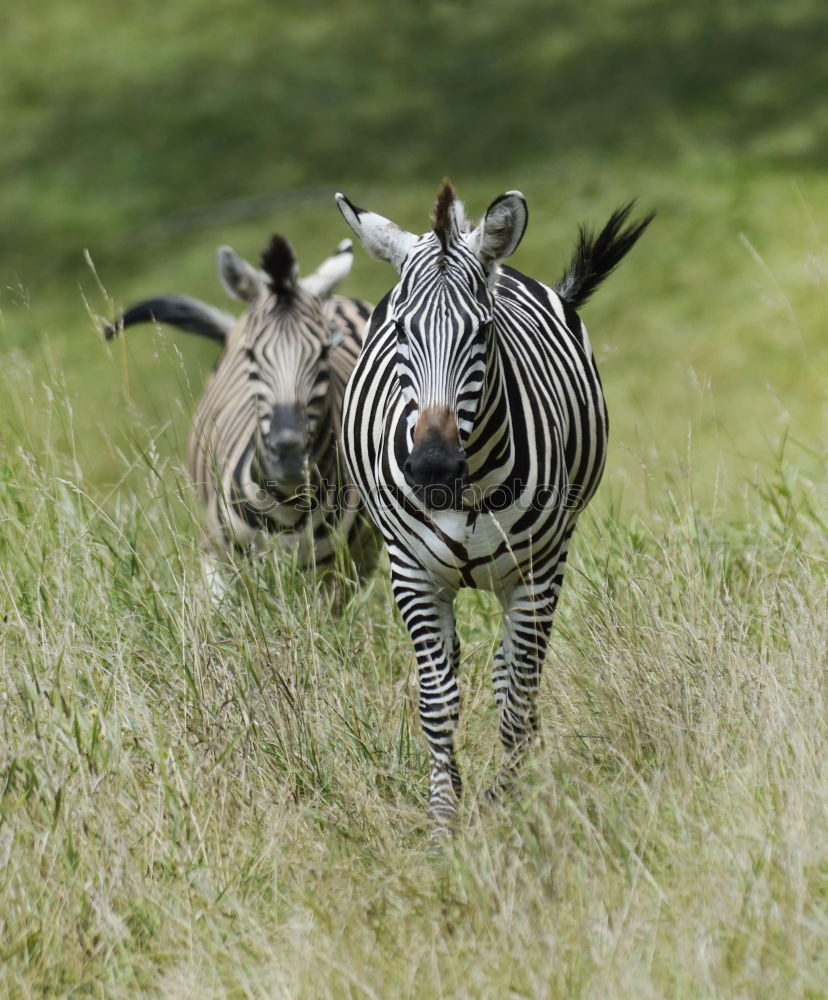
point(434, 466)
point(288, 448)
point(286, 444)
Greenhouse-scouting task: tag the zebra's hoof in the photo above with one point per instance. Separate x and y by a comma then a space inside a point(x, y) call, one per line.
point(490, 798)
point(439, 836)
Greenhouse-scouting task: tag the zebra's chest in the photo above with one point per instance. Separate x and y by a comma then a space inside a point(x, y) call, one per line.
point(469, 548)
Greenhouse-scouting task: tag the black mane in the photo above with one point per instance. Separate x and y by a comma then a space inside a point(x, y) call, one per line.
point(441, 222)
point(279, 263)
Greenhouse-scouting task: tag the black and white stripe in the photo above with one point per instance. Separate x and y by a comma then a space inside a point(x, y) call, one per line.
point(475, 429)
point(263, 448)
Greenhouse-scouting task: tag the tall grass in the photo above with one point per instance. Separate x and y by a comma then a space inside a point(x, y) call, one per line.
point(209, 802)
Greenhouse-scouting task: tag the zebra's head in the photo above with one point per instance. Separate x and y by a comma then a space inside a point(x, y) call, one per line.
point(442, 312)
point(282, 344)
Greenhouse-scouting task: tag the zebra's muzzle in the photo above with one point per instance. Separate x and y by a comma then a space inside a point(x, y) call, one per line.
point(436, 467)
point(285, 452)
point(286, 468)
point(436, 471)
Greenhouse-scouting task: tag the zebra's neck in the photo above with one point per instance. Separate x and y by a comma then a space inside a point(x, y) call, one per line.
point(490, 445)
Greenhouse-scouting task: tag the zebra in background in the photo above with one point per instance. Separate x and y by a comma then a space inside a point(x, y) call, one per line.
point(475, 429)
point(263, 447)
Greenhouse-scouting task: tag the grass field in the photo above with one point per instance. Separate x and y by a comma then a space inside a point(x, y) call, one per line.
point(201, 802)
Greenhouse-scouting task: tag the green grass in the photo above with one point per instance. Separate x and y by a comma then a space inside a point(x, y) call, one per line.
point(230, 803)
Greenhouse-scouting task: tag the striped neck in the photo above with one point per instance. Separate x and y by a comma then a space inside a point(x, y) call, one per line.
point(490, 443)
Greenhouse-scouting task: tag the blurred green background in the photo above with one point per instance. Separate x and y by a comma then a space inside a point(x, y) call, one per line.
point(148, 134)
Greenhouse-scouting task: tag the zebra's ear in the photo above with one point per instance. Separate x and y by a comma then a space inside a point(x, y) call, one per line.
point(330, 272)
point(380, 237)
point(502, 229)
point(240, 279)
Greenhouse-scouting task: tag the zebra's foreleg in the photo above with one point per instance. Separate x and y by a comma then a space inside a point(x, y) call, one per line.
point(215, 575)
point(429, 617)
point(518, 664)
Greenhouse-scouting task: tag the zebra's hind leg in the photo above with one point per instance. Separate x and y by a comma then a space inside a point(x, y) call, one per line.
point(429, 617)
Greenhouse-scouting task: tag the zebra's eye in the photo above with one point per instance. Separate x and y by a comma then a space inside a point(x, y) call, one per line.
point(402, 334)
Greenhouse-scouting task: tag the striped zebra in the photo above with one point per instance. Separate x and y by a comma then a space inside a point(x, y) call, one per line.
point(475, 430)
point(263, 448)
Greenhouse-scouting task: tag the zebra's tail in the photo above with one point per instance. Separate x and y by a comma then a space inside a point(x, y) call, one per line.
point(190, 315)
point(596, 257)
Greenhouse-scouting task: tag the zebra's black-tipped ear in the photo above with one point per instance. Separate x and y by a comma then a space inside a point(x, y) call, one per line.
point(501, 230)
point(330, 272)
point(280, 265)
point(380, 237)
point(240, 279)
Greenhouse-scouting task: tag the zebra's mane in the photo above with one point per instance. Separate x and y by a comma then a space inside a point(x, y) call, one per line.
point(449, 219)
point(279, 264)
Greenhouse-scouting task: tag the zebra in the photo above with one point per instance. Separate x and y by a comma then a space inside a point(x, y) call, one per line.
point(263, 447)
point(475, 430)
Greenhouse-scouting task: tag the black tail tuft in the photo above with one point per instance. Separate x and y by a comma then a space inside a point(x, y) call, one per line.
point(596, 257)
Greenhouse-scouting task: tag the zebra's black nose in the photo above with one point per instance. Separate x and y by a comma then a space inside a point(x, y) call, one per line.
point(287, 446)
point(433, 467)
point(286, 457)
point(437, 471)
